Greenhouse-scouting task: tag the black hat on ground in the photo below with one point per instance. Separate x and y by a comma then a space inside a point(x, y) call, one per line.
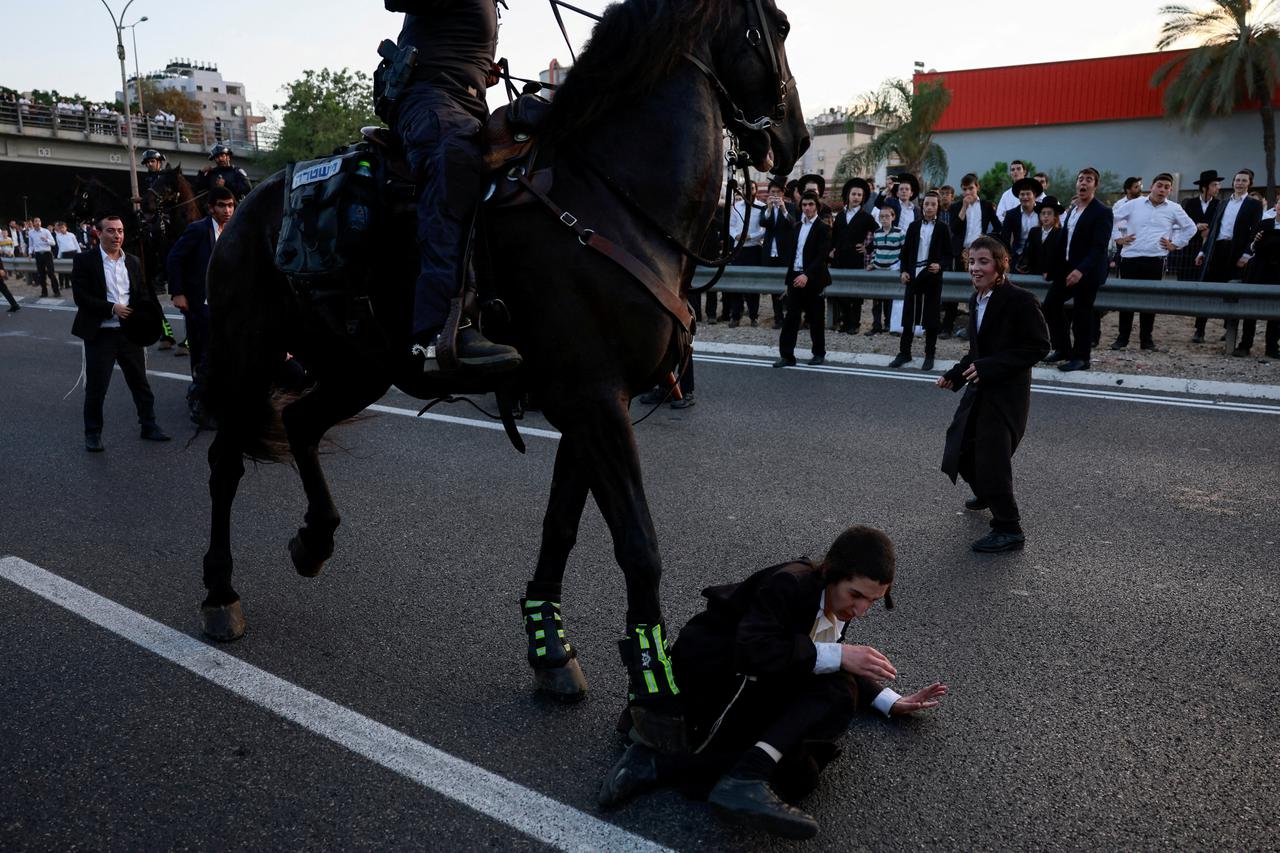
point(1027, 184)
point(1050, 202)
point(817, 179)
point(1207, 177)
point(855, 182)
point(911, 181)
point(144, 323)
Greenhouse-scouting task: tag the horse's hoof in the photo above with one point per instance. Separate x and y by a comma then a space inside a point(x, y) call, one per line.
point(662, 732)
point(563, 683)
point(224, 623)
point(304, 559)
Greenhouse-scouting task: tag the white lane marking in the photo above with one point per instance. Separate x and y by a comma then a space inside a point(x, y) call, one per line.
point(918, 376)
point(516, 806)
point(412, 413)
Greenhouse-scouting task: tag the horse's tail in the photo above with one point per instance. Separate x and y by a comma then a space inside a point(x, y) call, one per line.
point(251, 310)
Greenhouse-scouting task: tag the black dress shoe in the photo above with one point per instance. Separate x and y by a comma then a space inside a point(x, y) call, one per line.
point(153, 432)
point(873, 331)
point(962, 335)
point(776, 325)
point(785, 362)
point(15, 309)
point(998, 543)
point(635, 773)
point(752, 801)
point(93, 443)
point(1119, 344)
point(928, 363)
point(1074, 364)
point(1197, 338)
point(1273, 353)
point(900, 360)
point(1054, 356)
point(817, 359)
point(1240, 352)
point(976, 503)
point(1147, 345)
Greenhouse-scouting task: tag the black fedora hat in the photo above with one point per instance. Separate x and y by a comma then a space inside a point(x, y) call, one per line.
point(1027, 184)
point(817, 179)
point(1207, 177)
point(1050, 202)
point(144, 323)
point(911, 181)
point(855, 182)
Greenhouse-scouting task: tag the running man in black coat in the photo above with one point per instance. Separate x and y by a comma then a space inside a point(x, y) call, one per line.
point(769, 687)
point(1007, 335)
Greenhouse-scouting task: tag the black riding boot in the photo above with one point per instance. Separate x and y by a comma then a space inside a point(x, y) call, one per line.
point(655, 704)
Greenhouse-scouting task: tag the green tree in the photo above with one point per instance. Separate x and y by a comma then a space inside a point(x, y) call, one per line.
point(1237, 63)
point(994, 181)
point(174, 101)
point(324, 109)
point(909, 116)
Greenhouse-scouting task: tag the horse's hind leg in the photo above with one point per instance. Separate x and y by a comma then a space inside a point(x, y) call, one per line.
point(220, 613)
point(306, 420)
point(553, 658)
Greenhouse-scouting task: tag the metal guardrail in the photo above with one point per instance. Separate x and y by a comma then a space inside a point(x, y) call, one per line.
point(146, 130)
point(1231, 301)
point(24, 265)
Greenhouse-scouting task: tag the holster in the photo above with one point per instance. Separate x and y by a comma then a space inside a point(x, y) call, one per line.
point(391, 78)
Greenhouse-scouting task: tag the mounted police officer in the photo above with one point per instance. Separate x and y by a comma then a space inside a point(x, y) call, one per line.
point(153, 162)
point(223, 174)
point(438, 109)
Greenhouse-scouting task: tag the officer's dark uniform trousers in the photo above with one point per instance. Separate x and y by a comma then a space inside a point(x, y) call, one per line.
point(440, 127)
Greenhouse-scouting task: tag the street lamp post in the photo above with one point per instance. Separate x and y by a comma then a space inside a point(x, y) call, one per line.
point(137, 76)
point(124, 92)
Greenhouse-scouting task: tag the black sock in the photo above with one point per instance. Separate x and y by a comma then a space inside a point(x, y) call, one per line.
point(755, 764)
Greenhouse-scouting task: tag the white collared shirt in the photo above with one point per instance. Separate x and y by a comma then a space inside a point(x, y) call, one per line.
point(1227, 230)
point(826, 633)
point(39, 240)
point(1029, 223)
point(755, 233)
point(117, 276)
point(926, 240)
point(983, 299)
point(67, 243)
point(1149, 223)
point(806, 225)
point(1073, 217)
point(972, 223)
point(906, 216)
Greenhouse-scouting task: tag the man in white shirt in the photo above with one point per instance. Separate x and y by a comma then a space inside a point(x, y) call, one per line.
point(1146, 230)
point(750, 255)
point(41, 244)
point(66, 245)
point(1009, 200)
point(1228, 237)
point(109, 289)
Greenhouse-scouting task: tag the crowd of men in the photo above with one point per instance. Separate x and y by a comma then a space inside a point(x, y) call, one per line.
point(1075, 245)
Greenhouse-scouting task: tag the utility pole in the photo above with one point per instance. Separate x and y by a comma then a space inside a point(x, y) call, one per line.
point(137, 76)
point(124, 92)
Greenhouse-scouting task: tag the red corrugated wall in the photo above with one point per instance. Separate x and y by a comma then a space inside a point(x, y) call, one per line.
point(1081, 90)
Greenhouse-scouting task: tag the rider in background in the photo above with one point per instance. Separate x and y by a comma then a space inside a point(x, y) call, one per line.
point(439, 120)
point(223, 174)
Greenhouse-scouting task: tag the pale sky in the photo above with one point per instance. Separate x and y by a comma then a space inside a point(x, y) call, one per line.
point(838, 50)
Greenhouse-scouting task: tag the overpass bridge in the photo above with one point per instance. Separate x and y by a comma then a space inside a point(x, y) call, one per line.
point(43, 149)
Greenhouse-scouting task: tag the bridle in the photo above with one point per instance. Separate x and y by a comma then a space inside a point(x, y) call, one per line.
point(784, 83)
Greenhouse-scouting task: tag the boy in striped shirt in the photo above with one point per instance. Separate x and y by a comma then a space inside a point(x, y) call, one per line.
point(886, 250)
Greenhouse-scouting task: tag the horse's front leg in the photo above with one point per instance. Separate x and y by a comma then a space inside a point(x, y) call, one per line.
point(553, 658)
point(220, 613)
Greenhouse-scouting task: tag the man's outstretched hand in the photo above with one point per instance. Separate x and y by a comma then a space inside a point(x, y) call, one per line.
point(867, 662)
point(921, 700)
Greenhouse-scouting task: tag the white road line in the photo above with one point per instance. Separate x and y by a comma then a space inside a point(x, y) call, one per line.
point(413, 413)
point(520, 808)
point(1083, 391)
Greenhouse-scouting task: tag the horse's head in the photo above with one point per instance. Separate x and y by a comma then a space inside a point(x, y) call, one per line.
point(81, 200)
point(762, 106)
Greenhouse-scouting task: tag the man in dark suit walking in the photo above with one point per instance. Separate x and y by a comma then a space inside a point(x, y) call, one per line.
point(1081, 270)
point(926, 252)
point(115, 310)
point(807, 277)
point(1227, 240)
point(186, 266)
point(1007, 335)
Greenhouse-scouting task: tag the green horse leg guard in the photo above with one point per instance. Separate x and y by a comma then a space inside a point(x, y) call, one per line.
point(554, 660)
point(657, 712)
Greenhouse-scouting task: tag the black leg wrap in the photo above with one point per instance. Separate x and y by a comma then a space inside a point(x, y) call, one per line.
point(657, 712)
point(554, 660)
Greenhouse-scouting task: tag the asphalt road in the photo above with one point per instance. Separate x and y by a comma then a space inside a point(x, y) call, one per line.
point(1112, 685)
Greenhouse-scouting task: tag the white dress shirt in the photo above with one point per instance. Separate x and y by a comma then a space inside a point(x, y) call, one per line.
point(39, 240)
point(1073, 216)
point(983, 299)
point(775, 217)
point(972, 223)
point(117, 275)
point(926, 240)
point(1227, 230)
point(806, 225)
point(67, 244)
point(755, 233)
point(1149, 223)
point(826, 640)
point(906, 216)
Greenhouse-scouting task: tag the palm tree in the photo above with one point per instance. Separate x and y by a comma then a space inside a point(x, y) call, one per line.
point(909, 116)
point(1237, 63)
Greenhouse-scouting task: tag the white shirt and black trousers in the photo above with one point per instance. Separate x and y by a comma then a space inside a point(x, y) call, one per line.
point(1087, 237)
point(927, 243)
point(1228, 240)
point(41, 244)
point(750, 255)
point(1144, 258)
point(813, 245)
point(98, 282)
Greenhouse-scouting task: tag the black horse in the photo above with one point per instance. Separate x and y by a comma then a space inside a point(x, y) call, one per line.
point(91, 199)
point(169, 205)
point(635, 137)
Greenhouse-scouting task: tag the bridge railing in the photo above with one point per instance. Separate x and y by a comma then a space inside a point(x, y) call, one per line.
point(147, 130)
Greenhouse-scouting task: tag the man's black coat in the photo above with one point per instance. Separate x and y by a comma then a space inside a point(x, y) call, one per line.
point(1087, 251)
point(1013, 337)
point(1011, 229)
point(990, 223)
point(1039, 256)
point(814, 255)
point(89, 288)
point(847, 235)
point(757, 628)
point(780, 231)
point(188, 261)
point(937, 252)
point(1247, 219)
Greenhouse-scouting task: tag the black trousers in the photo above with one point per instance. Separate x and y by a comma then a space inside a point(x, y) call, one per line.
point(4, 291)
point(778, 300)
point(197, 319)
point(921, 302)
point(44, 267)
point(109, 348)
point(1139, 269)
point(1081, 325)
point(1005, 517)
point(808, 300)
point(750, 256)
point(1222, 268)
point(1250, 329)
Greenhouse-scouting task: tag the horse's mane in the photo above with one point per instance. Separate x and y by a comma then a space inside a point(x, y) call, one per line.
point(636, 45)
